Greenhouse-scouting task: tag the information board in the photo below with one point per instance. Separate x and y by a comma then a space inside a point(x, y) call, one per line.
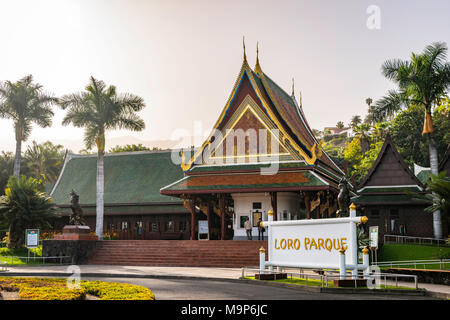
point(203, 226)
point(32, 238)
point(373, 235)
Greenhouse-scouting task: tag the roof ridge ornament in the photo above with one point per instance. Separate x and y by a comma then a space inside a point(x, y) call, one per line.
point(293, 90)
point(258, 69)
point(243, 45)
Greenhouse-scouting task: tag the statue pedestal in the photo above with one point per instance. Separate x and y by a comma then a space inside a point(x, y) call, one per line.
point(74, 232)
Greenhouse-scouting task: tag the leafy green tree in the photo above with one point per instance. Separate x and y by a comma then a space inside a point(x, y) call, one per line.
point(6, 169)
point(406, 129)
point(128, 148)
point(25, 103)
point(98, 109)
point(44, 161)
point(23, 207)
point(423, 81)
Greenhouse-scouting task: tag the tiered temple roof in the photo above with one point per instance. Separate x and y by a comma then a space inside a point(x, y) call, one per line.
point(257, 102)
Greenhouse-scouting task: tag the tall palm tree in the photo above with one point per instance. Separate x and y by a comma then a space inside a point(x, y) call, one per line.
point(423, 80)
point(98, 109)
point(25, 103)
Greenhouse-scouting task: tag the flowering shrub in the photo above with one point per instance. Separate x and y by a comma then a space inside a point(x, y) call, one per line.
point(56, 289)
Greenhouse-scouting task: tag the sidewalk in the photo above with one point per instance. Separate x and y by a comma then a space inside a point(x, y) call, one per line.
point(167, 272)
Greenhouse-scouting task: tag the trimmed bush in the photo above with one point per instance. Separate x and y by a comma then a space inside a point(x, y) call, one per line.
point(56, 289)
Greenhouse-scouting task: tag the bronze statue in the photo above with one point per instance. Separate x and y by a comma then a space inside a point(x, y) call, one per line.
point(343, 198)
point(76, 218)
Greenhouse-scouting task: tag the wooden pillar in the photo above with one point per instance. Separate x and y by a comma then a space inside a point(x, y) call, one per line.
point(208, 217)
point(189, 205)
point(307, 206)
point(222, 216)
point(273, 202)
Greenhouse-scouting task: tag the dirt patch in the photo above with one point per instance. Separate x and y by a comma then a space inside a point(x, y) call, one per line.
point(91, 297)
point(9, 295)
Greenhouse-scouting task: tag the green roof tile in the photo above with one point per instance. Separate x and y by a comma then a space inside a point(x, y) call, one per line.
point(131, 178)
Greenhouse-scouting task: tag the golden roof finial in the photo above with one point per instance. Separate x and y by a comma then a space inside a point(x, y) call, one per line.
point(293, 94)
point(243, 45)
point(257, 66)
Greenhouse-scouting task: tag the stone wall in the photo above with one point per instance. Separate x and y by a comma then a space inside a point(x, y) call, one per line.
point(78, 250)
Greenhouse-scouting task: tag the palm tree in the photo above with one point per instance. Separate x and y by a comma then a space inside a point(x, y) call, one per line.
point(44, 161)
point(424, 81)
point(439, 198)
point(340, 125)
point(25, 103)
point(23, 207)
point(355, 121)
point(98, 109)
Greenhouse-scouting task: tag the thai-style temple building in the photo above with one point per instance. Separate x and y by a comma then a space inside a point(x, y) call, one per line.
point(261, 158)
point(386, 197)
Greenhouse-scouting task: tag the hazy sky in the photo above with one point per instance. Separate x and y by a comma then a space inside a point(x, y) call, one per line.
point(183, 57)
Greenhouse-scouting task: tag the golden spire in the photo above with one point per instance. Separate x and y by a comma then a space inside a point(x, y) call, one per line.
point(257, 65)
point(243, 45)
point(293, 94)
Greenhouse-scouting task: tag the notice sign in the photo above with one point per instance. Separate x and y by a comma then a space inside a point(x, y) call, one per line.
point(203, 226)
point(32, 238)
point(311, 242)
point(373, 235)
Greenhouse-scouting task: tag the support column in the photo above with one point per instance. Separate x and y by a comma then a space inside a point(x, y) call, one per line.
point(307, 206)
point(208, 218)
point(222, 216)
point(273, 202)
point(189, 205)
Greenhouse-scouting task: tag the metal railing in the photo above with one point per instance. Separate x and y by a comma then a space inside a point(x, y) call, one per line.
point(327, 277)
point(14, 260)
point(393, 238)
point(444, 264)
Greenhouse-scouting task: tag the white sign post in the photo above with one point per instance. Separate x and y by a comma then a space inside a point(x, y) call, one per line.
point(315, 243)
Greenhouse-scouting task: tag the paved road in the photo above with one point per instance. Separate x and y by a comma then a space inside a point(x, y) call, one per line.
point(180, 289)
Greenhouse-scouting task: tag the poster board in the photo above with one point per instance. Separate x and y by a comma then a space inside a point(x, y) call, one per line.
point(203, 229)
point(373, 236)
point(32, 238)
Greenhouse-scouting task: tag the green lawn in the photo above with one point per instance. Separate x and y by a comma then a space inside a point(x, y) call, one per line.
point(12, 256)
point(318, 283)
point(402, 252)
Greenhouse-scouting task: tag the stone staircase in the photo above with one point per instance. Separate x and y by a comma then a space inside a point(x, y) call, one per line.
point(177, 253)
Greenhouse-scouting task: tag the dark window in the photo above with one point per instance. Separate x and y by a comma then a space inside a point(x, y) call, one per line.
point(393, 213)
point(181, 226)
point(375, 213)
point(154, 227)
point(257, 205)
point(169, 226)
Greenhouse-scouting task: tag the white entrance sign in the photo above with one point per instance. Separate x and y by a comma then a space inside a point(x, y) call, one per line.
point(32, 238)
point(311, 243)
point(374, 236)
point(315, 243)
